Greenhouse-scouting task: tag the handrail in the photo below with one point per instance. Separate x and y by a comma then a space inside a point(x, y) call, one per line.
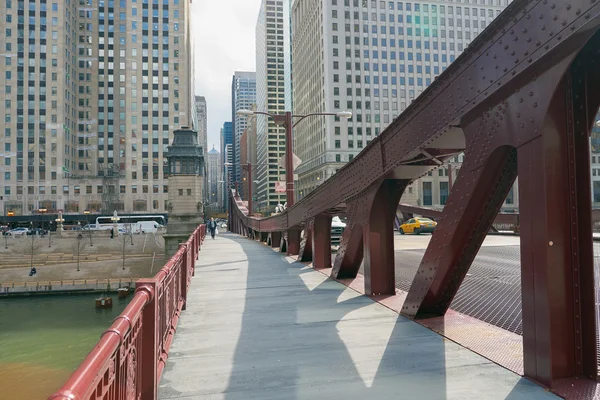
point(128, 360)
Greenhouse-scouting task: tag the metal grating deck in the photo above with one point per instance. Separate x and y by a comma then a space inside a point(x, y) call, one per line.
point(491, 292)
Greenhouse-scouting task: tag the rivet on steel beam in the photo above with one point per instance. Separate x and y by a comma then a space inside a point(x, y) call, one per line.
point(550, 243)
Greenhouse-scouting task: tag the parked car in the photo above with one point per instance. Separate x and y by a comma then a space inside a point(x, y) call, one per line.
point(418, 226)
point(18, 232)
point(37, 231)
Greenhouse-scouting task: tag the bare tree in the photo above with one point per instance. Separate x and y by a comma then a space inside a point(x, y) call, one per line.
point(33, 247)
point(79, 246)
point(126, 237)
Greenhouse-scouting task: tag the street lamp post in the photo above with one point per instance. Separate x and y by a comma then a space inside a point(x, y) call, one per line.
point(59, 225)
point(43, 211)
point(87, 221)
point(287, 120)
point(115, 219)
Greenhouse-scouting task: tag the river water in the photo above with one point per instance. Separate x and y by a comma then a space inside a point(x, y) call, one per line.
point(44, 338)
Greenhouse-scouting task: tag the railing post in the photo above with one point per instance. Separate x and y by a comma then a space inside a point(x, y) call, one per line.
point(183, 273)
point(149, 356)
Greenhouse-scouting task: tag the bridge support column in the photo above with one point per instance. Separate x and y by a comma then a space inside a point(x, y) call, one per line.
point(322, 242)
point(264, 236)
point(283, 243)
point(557, 258)
point(369, 234)
point(472, 206)
point(350, 253)
point(275, 239)
point(293, 242)
point(305, 253)
point(378, 238)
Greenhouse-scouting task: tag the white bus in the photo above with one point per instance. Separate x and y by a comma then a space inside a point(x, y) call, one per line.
point(129, 220)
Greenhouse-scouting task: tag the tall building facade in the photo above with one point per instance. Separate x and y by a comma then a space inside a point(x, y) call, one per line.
point(243, 96)
point(106, 82)
point(226, 157)
point(228, 182)
point(214, 176)
point(273, 95)
point(248, 154)
point(372, 58)
point(226, 138)
point(201, 122)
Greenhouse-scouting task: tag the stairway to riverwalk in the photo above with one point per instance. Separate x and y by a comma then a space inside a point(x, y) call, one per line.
point(260, 325)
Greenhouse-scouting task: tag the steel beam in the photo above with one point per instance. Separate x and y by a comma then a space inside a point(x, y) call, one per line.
point(305, 253)
point(293, 241)
point(559, 327)
point(378, 238)
point(350, 253)
point(283, 243)
point(264, 237)
point(275, 239)
point(322, 242)
point(468, 215)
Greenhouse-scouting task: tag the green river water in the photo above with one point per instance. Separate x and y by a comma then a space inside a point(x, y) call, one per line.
point(44, 338)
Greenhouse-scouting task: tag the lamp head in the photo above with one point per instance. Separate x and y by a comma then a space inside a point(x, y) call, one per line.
point(344, 114)
point(244, 112)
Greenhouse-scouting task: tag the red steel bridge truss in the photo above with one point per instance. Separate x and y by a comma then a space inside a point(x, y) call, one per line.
point(521, 99)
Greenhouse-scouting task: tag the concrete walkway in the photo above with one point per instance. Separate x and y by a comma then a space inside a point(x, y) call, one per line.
point(260, 326)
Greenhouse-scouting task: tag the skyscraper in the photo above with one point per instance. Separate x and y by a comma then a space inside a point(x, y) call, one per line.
point(372, 58)
point(226, 157)
point(201, 122)
point(226, 138)
point(106, 83)
point(214, 176)
point(243, 96)
point(273, 95)
point(248, 153)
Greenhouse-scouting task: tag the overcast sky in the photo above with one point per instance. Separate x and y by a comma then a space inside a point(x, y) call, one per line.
point(224, 43)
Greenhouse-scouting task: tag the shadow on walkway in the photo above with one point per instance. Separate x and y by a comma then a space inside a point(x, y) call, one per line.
point(271, 328)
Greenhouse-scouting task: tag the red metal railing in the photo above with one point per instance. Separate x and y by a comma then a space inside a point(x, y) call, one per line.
point(128, 361)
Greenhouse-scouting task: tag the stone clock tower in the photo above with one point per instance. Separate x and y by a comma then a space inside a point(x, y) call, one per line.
point(186, 169)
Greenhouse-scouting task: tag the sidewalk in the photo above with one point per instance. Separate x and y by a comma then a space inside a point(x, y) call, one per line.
point(260, 326)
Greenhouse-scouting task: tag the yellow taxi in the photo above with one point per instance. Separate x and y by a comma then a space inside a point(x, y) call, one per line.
point(418, 226)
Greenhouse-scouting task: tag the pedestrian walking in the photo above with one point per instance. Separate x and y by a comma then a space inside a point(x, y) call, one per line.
point(212, 227)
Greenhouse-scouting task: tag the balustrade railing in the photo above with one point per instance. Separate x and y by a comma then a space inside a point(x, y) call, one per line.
point(129, 358)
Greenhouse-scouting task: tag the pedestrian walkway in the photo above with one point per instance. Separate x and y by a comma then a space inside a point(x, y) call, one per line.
point(260, 326)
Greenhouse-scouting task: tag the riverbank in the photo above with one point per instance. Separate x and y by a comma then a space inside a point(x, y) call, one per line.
point(134, 267)
point(40, 288)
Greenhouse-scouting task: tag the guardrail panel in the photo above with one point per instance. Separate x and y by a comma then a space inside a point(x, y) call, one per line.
point(130, 356)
